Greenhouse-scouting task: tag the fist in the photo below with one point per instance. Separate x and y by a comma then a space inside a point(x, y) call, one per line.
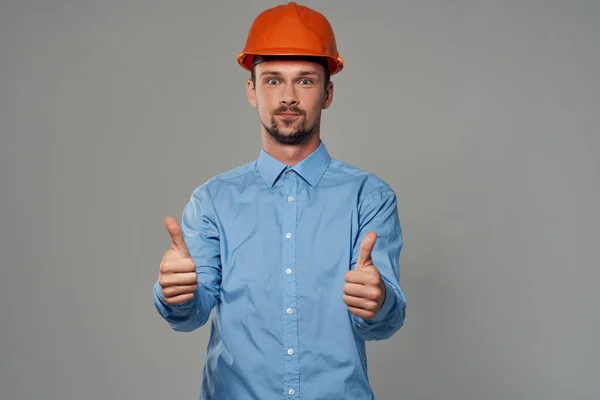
point(177, 277)
point(364, 290)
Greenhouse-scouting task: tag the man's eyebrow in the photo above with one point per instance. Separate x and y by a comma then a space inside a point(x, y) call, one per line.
point(307, 73)
point(271, 73)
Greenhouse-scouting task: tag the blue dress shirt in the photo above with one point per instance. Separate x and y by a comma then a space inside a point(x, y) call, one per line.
point(272, 244)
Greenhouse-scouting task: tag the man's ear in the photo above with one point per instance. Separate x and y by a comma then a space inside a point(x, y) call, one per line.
point(328, 95)
point(251, 92)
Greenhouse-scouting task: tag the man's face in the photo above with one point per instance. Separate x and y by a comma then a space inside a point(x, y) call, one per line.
point(289, 97)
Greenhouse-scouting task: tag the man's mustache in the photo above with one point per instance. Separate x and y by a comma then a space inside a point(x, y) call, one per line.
point(284, 109)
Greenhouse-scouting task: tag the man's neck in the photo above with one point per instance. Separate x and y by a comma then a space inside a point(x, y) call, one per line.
point(290, 154)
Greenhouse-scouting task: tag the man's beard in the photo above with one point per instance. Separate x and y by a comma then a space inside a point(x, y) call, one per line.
point(299, 136)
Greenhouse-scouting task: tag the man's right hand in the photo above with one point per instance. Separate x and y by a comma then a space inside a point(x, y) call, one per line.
point(177, 277)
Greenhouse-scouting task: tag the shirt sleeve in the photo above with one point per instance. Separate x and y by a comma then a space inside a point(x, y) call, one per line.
point(378, 212)
point(201, 234)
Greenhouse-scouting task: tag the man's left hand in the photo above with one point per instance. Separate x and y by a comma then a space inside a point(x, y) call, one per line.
point(364, 290)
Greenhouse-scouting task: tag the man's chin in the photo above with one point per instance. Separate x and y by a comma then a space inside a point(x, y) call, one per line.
point(290, 127)
point(287, 132)
point(291, 137)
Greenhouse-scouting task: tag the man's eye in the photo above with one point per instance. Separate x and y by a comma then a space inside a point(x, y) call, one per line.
point(305, 81)
point(272, 81)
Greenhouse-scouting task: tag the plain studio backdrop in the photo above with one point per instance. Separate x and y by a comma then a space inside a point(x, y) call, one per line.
point(482, 115)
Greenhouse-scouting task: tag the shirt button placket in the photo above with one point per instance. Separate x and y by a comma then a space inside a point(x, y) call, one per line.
point(290, 325)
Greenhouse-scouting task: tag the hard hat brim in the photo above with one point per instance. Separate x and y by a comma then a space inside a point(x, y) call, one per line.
point(245, 58)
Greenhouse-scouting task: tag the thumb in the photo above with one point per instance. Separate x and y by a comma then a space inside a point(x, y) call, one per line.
point(176, 236)
point(366, 248)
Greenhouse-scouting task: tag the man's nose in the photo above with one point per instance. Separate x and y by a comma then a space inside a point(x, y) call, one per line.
point(289, 96)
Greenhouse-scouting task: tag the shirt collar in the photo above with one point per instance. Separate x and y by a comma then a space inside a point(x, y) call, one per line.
point(311, 168)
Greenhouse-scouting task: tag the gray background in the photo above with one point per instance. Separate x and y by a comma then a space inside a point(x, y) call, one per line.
point(482, 115)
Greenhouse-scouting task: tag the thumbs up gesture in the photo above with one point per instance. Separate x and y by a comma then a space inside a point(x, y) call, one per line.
point(177, 277)
point(364, 290)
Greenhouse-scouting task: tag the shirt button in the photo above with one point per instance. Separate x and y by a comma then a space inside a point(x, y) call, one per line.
point(288, 271)
point(290, 199)
point(289, 310)
point(289, 172)
point(291, 391)
point(291, 351)
point(288, 235)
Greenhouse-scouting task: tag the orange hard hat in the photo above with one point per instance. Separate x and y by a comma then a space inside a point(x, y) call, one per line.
point(291, 30)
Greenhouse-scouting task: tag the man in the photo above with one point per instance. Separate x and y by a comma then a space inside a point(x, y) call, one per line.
point(297, 252)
